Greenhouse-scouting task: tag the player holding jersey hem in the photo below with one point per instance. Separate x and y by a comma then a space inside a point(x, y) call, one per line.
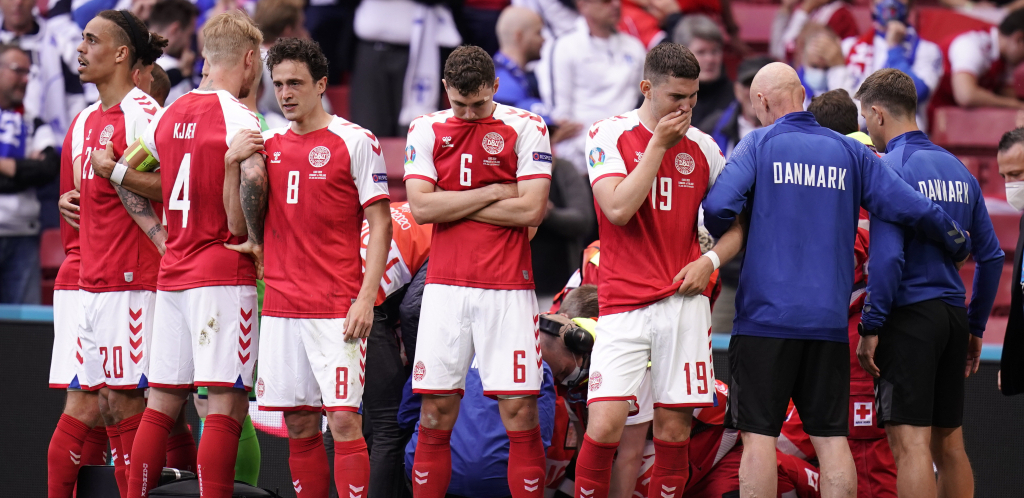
point(479, 299)
point(205, 330)
point(314, 344)
point(649, 185)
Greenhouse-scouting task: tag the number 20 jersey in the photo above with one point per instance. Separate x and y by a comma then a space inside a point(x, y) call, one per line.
point(189, 138)
point(509, 146)
point(640, 259)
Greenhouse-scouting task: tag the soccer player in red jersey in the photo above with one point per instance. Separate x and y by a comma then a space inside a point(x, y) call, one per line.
point(480, 172)
point(116, 262)
point(318, 307)
point(205, 330)
point(650, 170)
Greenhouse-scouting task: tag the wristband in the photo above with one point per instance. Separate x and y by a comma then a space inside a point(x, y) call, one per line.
point(865, 332)
point(117, 176)
point(715, 261)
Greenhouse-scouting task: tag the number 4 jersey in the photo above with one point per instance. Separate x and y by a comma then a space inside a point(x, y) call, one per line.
point(639, 260)
point(509, 146)
point(190, 138)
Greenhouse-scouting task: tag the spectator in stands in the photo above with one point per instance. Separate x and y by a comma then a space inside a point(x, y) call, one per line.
point(821, 65)
point(890, 43)
point(478, 21)
point(593, 73)
point(795, 14)
point(1011, 167)
point(701, 35)
point(728, 126)
point(979, 64)
point(559, 16)
point(175, 20)
point(519, 43)
point(21, 169)
point(397, 72)
point(330, 23)
point(277, 19)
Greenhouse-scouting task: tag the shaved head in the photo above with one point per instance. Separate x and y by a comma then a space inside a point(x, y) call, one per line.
point(515, 20)
point(775, 92)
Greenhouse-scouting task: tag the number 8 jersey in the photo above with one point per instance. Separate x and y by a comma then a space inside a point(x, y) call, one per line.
point(640, 259)
point(190, 138)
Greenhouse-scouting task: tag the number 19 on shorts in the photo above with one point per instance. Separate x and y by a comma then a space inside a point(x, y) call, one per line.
point(700, 373)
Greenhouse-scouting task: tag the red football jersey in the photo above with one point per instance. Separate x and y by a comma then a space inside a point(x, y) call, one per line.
point(71, 151)
point(190, 138)
point(116, 254)
point(410, 248)
point(511, 145)
point(639, 260)
point(319, 184)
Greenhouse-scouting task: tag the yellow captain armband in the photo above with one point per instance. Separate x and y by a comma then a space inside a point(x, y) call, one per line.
point(150, 163)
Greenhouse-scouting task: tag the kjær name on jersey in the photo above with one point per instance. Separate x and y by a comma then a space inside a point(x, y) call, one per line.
point(810, 175)
point(185, 131)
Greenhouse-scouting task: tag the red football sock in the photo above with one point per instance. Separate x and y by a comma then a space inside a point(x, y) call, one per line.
point(181, 452)
point(65, 456)
point(120, 469)
point(594, 468)
point(94, 451)
point(527, 465)
point(128, 427)
point(432, 464)
point(218, 450)
point(351, 468)
point(311, 477)
point(151, 452)
point(671, 468)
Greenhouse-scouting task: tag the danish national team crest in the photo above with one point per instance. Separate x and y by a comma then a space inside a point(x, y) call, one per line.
point(106, 134)
point(684, 163)
point(595, 381)
point(319, 156)
point(260, 388)
point(596, 157)
point(493, 143)
point(419, 371)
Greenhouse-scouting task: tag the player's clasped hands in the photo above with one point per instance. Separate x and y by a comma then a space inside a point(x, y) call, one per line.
point(672, 128)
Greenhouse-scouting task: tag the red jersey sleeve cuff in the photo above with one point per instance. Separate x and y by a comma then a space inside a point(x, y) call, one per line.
point(375, 199)
point(533, 177)
point(621, 175)
point(420, 177)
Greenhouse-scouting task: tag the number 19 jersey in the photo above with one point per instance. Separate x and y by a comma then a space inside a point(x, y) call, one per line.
point(190, 138)
point(640, 259)
point(509, 146)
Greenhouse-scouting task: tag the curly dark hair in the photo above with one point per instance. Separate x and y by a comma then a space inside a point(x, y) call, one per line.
point(670, 59)
point(299, 50)
point(468, 69)
point(836, 111)
point(143, 46)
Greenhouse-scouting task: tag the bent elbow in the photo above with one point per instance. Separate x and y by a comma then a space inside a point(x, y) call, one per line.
point(618, 218)
point(420, 215)
point(237, 229)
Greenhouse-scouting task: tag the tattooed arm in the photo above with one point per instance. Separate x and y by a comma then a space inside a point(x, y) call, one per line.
point(253, 190)
point(245, 144)
point(140, 209)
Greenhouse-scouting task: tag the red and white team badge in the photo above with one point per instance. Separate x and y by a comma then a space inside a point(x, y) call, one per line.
point(319, 156)
point(493, 143)
point(105, 135)
point(260, 388)
point(684, 163)
point(595, 381)
point(862, 414)
point(419, 371)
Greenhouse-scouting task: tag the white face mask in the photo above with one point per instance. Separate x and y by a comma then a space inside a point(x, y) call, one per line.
point(816, 78)
point(1015, 195)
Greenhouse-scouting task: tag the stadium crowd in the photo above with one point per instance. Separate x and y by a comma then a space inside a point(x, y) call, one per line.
point(619, 145)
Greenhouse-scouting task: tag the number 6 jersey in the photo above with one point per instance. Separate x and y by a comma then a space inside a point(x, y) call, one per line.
point(509, 146)
point(190, 138)
point(640, 259)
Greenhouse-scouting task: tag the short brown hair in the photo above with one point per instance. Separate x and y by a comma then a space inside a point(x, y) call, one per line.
point(670, 59)
point(299, 50)
point(468, 69)
point(161, 86)
point(228, 36)
point(168, 12)
point(891, 89)
point(274, 16)
point(836, 111)
point(580, 302)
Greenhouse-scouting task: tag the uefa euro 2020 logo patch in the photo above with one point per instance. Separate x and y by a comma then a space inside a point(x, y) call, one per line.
point(410, 154)
point(596, 157)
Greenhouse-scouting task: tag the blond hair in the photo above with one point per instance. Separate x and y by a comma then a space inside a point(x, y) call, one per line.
point(228, 36)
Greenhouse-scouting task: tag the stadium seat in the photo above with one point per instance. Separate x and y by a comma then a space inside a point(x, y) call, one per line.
point(1006, 222)
point(51, 255)
point(755, 22)
point(338, 96)
point(971, 131)
point(938, 23)
point(394, 157)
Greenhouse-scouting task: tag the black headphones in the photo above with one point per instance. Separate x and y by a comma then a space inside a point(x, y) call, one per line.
point(576, 339)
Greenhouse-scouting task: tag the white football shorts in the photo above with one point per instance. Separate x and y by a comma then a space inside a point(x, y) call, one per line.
point(116, 333)
point(67, 352)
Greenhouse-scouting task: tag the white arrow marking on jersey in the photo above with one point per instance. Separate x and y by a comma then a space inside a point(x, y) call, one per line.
point(75, 457)
point(587, 492)
point(666, 488)
point(355, 492)
point(419, 475)
point(297, 486)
